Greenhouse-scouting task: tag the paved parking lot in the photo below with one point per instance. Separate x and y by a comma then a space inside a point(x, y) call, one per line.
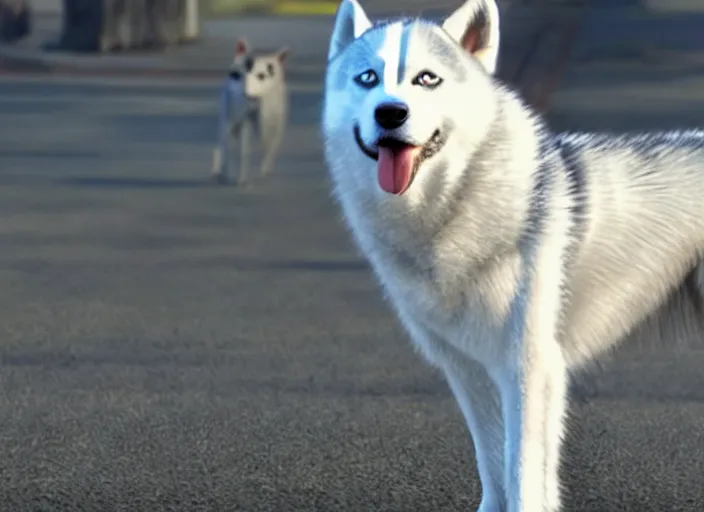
point(170, 345)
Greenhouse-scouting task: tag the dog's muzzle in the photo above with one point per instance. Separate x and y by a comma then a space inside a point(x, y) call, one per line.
point(431, 148)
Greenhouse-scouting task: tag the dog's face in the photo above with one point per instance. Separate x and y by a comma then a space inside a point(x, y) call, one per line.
point(256, 74)
point(406, 102)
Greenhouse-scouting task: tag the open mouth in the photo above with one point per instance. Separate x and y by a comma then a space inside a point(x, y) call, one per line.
point(398, 161)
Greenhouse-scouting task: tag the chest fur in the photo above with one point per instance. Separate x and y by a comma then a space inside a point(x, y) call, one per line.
point(443, 294)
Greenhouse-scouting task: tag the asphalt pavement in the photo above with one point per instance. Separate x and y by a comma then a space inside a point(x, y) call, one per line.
point(168, 344)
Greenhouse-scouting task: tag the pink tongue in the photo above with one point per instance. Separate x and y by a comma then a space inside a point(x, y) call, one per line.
point(395, 168)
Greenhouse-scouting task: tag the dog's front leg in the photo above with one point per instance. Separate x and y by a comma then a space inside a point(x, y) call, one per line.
point(220, 153)
point(271, 142)
point(533, 400)
point(245, 148)
point(533, 388)
point(219, 169)
point(478, 399)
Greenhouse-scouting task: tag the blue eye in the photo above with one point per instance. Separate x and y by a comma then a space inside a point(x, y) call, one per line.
point(367, 79)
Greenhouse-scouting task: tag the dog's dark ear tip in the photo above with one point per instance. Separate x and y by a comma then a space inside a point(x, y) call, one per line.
point(283, 54)
point(241, 47)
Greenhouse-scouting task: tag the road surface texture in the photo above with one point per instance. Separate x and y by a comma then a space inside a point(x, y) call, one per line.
point(166, 344)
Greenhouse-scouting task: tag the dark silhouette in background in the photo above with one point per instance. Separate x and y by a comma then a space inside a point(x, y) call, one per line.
point(14, 20)
point(109, 25)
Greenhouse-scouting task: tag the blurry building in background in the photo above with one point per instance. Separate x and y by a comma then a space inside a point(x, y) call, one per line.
point(15, 20)
point(109, 25)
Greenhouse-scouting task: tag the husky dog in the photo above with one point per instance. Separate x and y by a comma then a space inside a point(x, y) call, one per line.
point(511, 255)
point(253, 101)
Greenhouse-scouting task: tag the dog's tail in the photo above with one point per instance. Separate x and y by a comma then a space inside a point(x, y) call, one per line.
point(694, 287)
point(678, 324)
point(671, 331)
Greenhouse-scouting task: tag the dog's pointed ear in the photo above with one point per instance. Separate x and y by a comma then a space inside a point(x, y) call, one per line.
point(350, 22)
point(283, 54)
point(475, 26)
point(241, 47)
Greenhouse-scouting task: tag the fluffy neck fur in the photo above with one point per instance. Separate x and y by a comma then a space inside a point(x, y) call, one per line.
point(490, 201)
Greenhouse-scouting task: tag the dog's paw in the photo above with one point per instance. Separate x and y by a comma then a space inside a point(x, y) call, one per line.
point(219, 178)
point(242, 181)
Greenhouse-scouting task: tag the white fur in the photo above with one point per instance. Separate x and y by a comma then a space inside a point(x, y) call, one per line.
point(480, 282)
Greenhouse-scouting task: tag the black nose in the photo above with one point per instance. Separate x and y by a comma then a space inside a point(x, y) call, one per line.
point(391, 115)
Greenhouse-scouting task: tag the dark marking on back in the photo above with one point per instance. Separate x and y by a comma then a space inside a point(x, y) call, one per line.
point(570, 163)
point(544, 178)
point(577, 190)
point(555, 159)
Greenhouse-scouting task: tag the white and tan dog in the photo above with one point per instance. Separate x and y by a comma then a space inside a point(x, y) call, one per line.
point(511, 255)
